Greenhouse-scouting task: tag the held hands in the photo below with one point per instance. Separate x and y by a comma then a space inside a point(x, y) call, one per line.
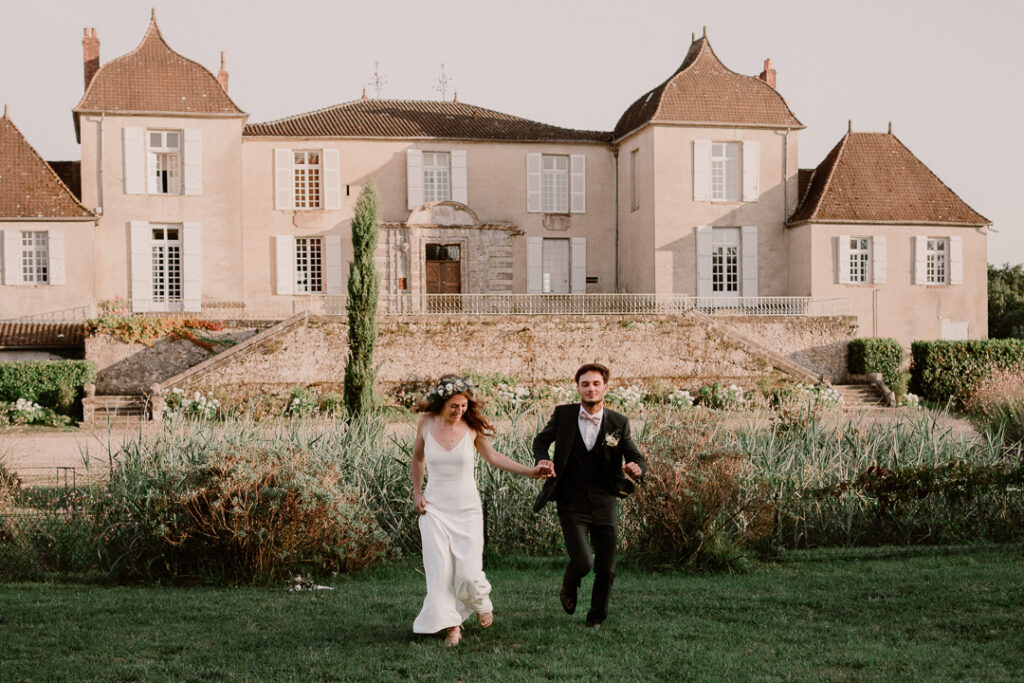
point(632, 469)
point(545, 469)
point(420, 503)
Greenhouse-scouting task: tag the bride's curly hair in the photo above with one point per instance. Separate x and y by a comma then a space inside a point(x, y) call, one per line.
point(448, 386)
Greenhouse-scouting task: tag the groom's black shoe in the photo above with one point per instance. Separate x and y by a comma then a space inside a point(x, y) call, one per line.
point(568, 598)
point(593, 623)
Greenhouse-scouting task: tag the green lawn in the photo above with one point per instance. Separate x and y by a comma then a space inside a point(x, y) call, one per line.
point(894, 614)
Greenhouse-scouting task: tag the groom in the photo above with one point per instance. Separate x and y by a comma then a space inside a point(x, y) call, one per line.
point(591, 443)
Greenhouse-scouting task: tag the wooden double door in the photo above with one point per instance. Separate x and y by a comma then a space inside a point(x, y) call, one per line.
point(444, 269)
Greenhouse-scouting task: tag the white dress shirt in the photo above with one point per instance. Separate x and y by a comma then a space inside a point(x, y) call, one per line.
point(589, 430)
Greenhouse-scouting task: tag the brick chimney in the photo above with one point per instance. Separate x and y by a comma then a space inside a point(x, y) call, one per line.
point(90, 55)
point(222, 75)
point(768, 75)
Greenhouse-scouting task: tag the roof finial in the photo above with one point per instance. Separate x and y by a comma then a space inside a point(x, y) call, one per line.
point(693, 37)
point(364, 97)
point(849, 126)
point(152, 14)
point(890, 128)
point(5, 111)
point(456, 97)
point(705, 33)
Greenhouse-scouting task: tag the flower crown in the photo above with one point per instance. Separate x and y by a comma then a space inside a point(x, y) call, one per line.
point(448, 387)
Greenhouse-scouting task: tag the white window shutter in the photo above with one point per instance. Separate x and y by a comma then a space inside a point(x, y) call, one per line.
point(142, 266)
point(843, 259)
point(920, 260)
point(878, 257)
point(533, 189)
point(578, 183)
point(751, 170)
point(459, 188)
point(578, 277)
point(134, 144)
point(284, 264)
point(55, 246)
point(193, 161)
point(332, 265)
point(191, 267)
point(702, 172)
point(534, 264)
point(703, 260)
point(284, 194)
point(414, 177)
point(956, 260)
point(12, 257)
point(748, 263)
point(332, 180)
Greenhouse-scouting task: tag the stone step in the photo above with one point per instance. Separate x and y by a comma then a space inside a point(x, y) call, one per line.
point(115, 410)
point(860, 396)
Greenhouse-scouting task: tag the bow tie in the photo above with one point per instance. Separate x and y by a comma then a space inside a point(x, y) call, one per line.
point(592, 419)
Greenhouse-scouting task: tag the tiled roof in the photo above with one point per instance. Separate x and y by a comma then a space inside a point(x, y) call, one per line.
point(28, 186)
point(703, 90)
point(41, 335)
point(153, 78)
point(418, 119)
point(874, 178)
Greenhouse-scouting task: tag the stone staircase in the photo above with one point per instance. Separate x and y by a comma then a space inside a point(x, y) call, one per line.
point(861, 397)
point(114, 411)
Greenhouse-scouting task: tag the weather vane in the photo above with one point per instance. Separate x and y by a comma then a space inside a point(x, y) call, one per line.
point(378, 81)
point(442, 84)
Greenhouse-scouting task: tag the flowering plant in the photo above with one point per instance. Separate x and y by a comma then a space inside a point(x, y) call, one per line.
point(449, 386)
point(911, 400)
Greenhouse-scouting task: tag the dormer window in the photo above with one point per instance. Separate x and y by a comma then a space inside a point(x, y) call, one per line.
point(164, 151)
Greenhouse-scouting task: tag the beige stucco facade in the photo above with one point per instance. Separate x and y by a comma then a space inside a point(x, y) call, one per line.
point(898, 307)
point(74, 249)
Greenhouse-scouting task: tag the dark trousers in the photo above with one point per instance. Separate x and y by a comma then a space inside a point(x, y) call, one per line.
point(580, 531)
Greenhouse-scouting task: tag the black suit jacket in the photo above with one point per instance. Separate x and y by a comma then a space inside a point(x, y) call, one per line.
point(562, 429)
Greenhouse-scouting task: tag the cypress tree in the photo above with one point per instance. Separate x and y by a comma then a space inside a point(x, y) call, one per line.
point(363, 293)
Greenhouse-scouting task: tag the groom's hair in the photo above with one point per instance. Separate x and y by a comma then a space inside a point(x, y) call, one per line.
point(593, 367)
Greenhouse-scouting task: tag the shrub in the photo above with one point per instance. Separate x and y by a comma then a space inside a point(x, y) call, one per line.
point(301, 403)
point(55, 384)
point(878, 354)
point(230, 503)
point(997, 405)
point(196, 406)
point(944, 370)
point(718, 397)
point(363, 295)
point(23, 412)
point(693, 509)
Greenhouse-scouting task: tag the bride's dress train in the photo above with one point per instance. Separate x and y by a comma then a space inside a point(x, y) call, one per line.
point(452, 530)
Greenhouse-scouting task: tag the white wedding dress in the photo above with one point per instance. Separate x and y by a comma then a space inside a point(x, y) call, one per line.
point(452, 530)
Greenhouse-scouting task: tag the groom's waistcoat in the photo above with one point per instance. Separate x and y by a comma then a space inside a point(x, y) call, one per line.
point(583, 487)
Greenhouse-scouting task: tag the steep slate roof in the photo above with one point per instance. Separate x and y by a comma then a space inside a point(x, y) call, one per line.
point(704, 91)
point(370, 118)
point(18, 335)
point(28, 186)
point(874, 178)
point(153, 78)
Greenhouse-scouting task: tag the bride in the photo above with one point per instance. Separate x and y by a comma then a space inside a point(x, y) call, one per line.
point(451, 524)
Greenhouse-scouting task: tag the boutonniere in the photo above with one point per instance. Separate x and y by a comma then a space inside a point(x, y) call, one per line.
point(611, 440)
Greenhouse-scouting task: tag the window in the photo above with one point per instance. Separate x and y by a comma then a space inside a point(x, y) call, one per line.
point(555, 184)
point(309, 273)
point(436, 177)
point(860, 259)
point(634, 198)
point(166, 260)
point(306, 165)
point(725, 262)
point(164, 162)
point(936, 261)
point(725, 171)
point(555, 267)
point(35, 258)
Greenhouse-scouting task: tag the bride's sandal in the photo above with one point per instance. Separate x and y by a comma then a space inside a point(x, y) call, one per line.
point(453, 636)
point(485, 619)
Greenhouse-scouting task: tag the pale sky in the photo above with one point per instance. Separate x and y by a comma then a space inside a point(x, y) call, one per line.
point(947, 73)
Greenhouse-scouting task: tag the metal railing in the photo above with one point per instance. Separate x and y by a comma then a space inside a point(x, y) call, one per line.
point(67, 315)
point(398, 305)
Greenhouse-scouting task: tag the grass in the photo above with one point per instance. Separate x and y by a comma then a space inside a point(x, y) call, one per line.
point(889, 613)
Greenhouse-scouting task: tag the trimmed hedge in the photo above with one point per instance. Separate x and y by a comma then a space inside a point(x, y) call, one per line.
point(944, 369)
point(877, 354)
point(53, 384)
